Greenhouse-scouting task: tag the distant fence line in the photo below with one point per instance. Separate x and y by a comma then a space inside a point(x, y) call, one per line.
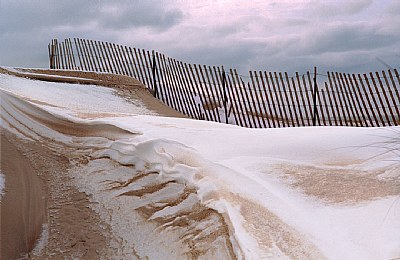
point(263, 99)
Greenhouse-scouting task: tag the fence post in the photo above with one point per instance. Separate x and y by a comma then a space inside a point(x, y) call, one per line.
point(153, 69)
point(225, 96)
point(315, 97)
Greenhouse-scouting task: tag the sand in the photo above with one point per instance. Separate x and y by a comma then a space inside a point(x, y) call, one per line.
point(23, 206)
point(39, 191)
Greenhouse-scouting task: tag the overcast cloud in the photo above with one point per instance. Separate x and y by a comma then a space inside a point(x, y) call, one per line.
point(342, 35)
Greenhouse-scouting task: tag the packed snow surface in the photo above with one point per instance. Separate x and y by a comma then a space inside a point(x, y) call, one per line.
point(305, 193)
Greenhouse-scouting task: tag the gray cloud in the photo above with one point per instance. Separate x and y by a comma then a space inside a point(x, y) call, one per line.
point(343, 35)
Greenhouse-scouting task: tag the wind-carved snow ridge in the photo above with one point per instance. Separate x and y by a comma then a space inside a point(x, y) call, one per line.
point(155, 179)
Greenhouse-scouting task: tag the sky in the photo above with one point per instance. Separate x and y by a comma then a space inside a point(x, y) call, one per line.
point(342, 35)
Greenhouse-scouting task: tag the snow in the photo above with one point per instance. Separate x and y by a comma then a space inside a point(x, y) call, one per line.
point(252, 176)
point(2, 184)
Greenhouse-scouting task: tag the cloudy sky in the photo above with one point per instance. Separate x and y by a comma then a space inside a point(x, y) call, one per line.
point(285, 35)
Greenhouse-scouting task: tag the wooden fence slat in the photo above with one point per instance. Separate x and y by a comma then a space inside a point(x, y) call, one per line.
point(57, 56)
point(278, 99)
point(290, 102)
point(395, 90)
point(307, 92)
point(84, 55)
point(378, 111)
point(231, 98)
point(186, 88)
point(214, 90)
point(94, 55)
point(347, 100)
point(202, 95)
point(148, 68)
point(180, 88)
point(356, 101)
point(103, 59)
point(144, 69)
point(268, 98)
point(89, 57)
point(338, 105)
point(328, 116)
point(174, 96)
point(211, 93)
point(189, 89)
point(218, 86)
point(124, 60)
point(310, 97)
point(114, 50)
point(81, 58)
point(288, 106)
point(365, 109)
point(244, 116)
point(332, 105)
point(285, 116)
point(262, 97)
point(374, 98)
point(53, 54)
point(72, 54)
point(134, 64)
point(305, 118)
point(274, 99)
point(291, 89)
point(129, 62)
point(140, 66)
point(210, 97)
point(196, 87)
point(382, 108)
point(163, 81)
point(320, 108)
point(110, 59)
point(60, 51)
point(167, 82)
point(254, 98)
point(299, 115)
point(121, 59)
point(67, 54)
point(247, 109)
point(397, 75)
point(367, 96)
point(172, 92)
point(388, 106)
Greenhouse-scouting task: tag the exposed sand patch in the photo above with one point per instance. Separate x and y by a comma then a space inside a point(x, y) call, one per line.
point(334, 185)
point(23, 207)
point(74, 230)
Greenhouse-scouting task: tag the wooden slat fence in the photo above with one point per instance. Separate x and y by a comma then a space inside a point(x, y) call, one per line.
point(261, 100)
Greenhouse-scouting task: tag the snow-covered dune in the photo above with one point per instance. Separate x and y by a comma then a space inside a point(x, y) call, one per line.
point(177, 188)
